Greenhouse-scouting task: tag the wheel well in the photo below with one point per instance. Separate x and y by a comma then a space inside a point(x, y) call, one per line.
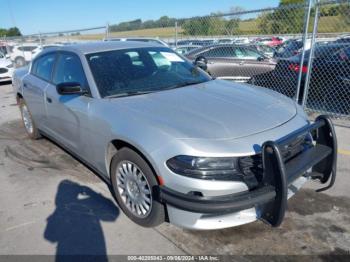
point(19, 57)
point(119, 144)
point(18, 97)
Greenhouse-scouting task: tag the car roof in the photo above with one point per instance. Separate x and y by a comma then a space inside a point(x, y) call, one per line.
point(101, 46)
point(200, 49)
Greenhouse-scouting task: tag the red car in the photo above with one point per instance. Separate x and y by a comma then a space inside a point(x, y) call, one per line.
point(271, 41)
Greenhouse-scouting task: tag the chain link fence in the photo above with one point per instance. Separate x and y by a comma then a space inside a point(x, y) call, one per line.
point(300, 50)
point(21, 50)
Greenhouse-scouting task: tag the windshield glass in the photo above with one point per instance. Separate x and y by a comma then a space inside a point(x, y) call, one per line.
point(141, 70)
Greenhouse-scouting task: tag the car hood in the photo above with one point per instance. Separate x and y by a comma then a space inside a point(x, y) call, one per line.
point(216, 109)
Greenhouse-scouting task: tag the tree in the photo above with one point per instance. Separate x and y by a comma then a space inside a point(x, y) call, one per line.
point(13, 31)
point(232, 25)
point(287, 19)
point(345, 12)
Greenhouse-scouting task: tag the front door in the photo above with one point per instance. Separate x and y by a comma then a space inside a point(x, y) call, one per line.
point(67, 115)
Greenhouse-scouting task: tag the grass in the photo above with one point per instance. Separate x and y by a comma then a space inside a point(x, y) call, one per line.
point(151, 32)
point(330, 24)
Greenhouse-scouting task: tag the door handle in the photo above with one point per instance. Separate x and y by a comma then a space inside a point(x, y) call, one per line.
point(241, 63)
point(48, 99)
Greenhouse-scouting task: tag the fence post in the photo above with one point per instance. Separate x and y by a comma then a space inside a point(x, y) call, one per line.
point(311, 55)
point(40, 39)
point(175, 34)
point(107, 31)
point(306, 26)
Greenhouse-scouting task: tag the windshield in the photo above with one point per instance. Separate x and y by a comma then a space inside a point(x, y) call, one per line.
point(141, 70)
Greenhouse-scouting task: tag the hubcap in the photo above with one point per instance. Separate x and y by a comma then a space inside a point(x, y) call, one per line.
point(134, 189)
point(27, 120)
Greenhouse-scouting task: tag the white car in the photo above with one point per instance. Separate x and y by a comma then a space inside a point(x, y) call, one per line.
point(6, 68)
point(139, 39)
point(24, 53)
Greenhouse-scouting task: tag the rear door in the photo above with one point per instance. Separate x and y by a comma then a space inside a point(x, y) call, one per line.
point(67, 115)
point(253, 63)
point(35, 84)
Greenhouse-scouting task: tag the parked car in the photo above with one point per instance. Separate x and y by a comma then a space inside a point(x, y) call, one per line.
point(241, 41)
point(232, 62)
point(139, 39)
point(293, 47)
point(225, 41)
point(24, 53)
point(330, 83)
point(6, 68)
point(196, 42)
point(184, 49)
point(5, 49)
point(343, 40)
point(327, 67)
point(271, 41)
point(174, 144)
point(265, 49)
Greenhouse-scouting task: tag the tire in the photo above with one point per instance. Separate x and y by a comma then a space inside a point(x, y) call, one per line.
point(145, 178)
point(20, 61)
point(28, 122)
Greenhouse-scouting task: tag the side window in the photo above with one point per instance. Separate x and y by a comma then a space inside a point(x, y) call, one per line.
point(69, 69)
point(220, 52)
point(249, 53)
point(43, 66)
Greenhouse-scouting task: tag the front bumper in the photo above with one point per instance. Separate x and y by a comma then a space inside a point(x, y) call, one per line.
point(4, 77)
point(270, 197)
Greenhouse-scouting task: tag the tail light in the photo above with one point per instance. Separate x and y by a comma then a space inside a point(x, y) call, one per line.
point(296, 68)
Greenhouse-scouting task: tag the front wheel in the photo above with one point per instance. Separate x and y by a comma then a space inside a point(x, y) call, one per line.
point(133, 184)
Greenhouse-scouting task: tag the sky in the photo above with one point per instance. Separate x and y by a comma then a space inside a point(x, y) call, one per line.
point(34, 16)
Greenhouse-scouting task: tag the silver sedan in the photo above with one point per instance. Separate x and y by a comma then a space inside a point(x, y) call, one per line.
point(175, 144)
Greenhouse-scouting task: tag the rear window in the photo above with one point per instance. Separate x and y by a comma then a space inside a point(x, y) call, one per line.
point(42, 67)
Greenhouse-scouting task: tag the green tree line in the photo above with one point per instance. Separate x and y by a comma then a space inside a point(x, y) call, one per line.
point(287, 19)
point(164, 21)
point(13, 31)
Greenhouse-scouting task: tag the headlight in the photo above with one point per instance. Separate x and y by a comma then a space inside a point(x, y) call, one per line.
point(219, 168)
point(10, 66)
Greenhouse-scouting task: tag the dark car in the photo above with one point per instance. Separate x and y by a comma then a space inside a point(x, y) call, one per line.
point(330, 83)
point(330, 75)
point(290, 48)
point(232, 62)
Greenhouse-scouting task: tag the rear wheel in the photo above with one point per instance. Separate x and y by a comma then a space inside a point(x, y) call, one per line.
point(28, 121)
point(133, 184)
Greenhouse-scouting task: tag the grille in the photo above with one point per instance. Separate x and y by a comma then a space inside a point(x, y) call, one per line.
point(3, 70)
point(252, 165)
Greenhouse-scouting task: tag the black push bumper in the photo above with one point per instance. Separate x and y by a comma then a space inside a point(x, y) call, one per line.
point(271, 195)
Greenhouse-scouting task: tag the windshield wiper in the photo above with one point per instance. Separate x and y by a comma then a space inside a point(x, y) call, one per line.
point(129, 93)
point(184, 84)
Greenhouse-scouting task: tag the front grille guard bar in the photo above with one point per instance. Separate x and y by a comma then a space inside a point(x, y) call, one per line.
point(275, 172)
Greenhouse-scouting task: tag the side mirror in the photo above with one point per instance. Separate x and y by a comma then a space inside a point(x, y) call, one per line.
point(70, 88)
point(201, 62)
